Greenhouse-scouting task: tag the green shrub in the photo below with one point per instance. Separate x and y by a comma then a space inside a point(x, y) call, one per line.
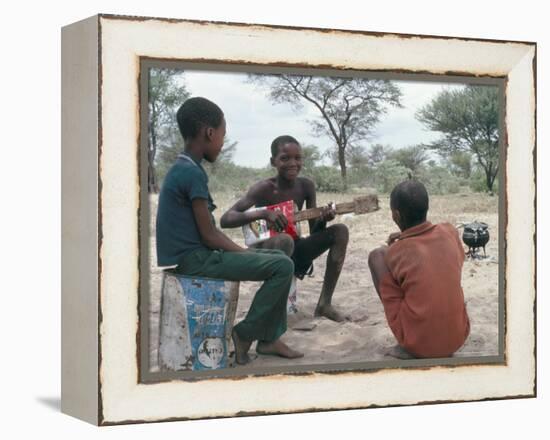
point(388, 174)
point(439, 180)
point(478, 182)
point(361, 177)
point(327, 179)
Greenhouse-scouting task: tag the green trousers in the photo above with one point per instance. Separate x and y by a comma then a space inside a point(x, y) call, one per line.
point(266, 318)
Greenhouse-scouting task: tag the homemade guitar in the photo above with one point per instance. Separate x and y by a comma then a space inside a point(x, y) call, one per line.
point(259, 230)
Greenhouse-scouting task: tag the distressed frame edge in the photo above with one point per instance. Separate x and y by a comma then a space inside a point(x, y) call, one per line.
point(535, 202)
point(80, 253)
point(531, 93)
point(123, 17)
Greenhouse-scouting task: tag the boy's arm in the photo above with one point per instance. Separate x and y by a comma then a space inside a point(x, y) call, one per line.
point(391, 295)
point(211, 237)
point(238, 216)
point(389, 289)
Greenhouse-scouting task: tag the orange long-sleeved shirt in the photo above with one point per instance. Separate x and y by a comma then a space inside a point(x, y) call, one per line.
point(422, 294)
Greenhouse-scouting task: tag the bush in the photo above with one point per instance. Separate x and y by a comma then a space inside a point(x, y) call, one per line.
point(361, 177)
point(439, 180)
point(478, 182)
point(327, 179)
point(230, 177)
point(388, 174)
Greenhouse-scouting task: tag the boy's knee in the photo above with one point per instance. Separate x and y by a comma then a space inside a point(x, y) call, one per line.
point(341, 233)
point(284, 242)
point(376, 256)
point(285, 264)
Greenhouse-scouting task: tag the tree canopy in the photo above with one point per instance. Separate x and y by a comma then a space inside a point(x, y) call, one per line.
point(166, 93)
point(412, 157)
point(468, 120)
point(311, 157)
point(348, 108)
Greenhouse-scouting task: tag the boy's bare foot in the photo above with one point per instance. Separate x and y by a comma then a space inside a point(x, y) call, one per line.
point(398, 352)
point(241, 349)
point(277, 348)
point(331, 313)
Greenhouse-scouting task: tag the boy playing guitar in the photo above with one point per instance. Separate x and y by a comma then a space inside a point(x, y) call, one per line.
point(286, 157)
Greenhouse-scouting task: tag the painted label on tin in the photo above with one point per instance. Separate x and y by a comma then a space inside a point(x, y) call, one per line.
point(210, 352)
point(206, 316)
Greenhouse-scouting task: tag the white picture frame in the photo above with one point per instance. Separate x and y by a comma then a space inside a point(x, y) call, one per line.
point(101, 192)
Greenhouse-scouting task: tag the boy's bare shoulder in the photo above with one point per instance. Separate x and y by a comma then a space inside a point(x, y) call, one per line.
point(262, 186)
point(307, 183)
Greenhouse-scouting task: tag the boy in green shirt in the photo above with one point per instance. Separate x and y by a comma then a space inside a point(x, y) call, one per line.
point(187, 236)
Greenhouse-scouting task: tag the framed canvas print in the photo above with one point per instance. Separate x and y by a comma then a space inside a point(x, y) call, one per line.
point(262, 219)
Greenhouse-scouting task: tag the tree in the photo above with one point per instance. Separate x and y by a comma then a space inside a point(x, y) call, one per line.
point(378, 153)
point(168, 150)
point(460, 164)
point(172, 145)
point(388, 174)
point(438, 179)
point(311, 158)
point(356, 157)
point(166, 93)
point(412, 157)
point(225, 156)
point(348, 108)
point(468, 120)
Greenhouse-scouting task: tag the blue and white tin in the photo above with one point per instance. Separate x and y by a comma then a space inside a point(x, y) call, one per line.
point(197, 316)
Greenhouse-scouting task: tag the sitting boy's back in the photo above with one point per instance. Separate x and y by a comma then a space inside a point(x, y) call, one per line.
point(177, 232)
point(418, 277)
point(422, 294)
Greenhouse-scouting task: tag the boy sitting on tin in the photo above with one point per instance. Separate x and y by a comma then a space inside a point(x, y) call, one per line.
point(187, 235)
point(287, 158)
point(417, 278)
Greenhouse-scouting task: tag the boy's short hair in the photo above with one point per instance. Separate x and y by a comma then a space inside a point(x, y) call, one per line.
point(281, 140)
point(410, 198)
point(195, 113)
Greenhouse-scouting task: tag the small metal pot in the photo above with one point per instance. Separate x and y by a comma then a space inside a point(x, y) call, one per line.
point(475, 235)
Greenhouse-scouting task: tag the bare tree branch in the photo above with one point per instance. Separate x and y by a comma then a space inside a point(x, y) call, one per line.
point(349, 108)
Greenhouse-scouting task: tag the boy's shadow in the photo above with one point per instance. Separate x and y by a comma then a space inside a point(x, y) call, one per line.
point(53, 403)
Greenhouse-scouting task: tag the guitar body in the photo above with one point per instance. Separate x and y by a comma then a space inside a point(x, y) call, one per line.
point(258, 230)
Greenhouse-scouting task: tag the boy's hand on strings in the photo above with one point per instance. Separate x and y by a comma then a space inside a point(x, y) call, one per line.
point(276, 220)
point(328, 213)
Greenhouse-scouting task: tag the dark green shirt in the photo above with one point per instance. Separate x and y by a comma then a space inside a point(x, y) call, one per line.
point(177, 232)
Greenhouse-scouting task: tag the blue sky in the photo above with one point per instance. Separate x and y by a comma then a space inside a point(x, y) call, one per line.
point(254, 121)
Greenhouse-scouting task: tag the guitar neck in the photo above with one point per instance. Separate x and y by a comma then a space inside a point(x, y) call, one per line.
point(358, 206)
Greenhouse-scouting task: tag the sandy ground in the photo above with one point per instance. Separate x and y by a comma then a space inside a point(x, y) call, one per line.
point(366, 337)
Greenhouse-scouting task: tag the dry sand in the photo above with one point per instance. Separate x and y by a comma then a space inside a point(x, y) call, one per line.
point(367, 336)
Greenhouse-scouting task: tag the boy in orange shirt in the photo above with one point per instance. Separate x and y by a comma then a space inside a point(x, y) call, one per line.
point(418, 278)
